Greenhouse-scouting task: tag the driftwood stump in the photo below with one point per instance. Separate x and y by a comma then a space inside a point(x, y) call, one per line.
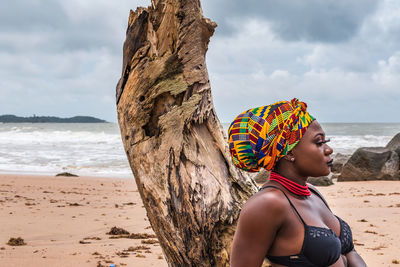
point(174, 141)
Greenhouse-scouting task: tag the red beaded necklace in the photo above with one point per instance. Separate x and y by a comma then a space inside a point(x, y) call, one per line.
point(293, 187)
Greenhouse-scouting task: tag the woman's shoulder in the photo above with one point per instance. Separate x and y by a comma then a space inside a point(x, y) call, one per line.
point(268, 203)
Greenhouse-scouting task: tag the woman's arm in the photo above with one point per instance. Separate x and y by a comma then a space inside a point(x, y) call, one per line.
point(355, 260)
point(259, 221)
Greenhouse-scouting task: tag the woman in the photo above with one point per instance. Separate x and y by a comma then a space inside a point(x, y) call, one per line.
point(287, 221)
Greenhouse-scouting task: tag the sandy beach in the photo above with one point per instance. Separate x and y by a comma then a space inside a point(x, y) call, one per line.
point(372, 210)
point(64, 221)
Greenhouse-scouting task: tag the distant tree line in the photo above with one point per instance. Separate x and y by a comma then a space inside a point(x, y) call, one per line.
point(49, 119)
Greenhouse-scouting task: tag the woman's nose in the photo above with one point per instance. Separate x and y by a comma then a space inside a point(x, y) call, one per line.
point(328, 150)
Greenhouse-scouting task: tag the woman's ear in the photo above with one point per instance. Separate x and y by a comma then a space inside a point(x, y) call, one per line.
point(289, 156)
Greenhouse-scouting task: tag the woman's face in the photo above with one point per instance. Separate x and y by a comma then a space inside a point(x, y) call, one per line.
point(312, 154)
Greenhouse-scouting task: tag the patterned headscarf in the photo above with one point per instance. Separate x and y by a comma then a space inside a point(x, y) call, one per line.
point(259, 137)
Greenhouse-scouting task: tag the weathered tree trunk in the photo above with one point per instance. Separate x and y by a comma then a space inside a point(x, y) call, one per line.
point(172, 136)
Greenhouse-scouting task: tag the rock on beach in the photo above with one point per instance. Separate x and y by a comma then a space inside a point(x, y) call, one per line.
point(371, 163)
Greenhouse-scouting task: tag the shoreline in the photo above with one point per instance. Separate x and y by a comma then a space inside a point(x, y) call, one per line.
point(53, 174)
point(64, 220)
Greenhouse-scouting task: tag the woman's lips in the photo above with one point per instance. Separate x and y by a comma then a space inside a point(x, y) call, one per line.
point(330, 163)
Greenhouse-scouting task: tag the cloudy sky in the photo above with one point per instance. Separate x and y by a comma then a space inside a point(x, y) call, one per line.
point(342, 57)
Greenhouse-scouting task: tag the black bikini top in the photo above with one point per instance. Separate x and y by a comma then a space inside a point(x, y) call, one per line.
point(321, 246)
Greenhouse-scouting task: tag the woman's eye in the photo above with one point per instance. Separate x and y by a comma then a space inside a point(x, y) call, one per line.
point(321, 142)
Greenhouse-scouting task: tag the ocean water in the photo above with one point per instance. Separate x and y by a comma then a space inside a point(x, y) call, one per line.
point(93, 149)
point(347, 137)
point(97, 150)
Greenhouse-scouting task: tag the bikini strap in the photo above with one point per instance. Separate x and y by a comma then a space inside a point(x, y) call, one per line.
point(320, 196)
point(290, 202)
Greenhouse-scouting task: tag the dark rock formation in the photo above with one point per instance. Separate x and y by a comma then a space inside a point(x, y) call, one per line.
point(334, 176)
point(371, 163)
point(320, 181)
point(338, 161)
point(394, 144)
point(67, 174)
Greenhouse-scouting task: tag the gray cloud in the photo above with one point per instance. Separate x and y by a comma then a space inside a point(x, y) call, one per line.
point(340, 81)
point(27, 16)
point(65, 25)
point(327, 21)
point(62, 57)
point(342, 57)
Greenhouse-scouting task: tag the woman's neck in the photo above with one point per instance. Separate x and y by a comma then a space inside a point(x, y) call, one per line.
point(290, 185)
point(290, 174)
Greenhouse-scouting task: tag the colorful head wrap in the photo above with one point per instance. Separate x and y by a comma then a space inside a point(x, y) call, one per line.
point(259, 137)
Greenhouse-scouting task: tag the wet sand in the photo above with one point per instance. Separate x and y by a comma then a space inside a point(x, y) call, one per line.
point(64, 221)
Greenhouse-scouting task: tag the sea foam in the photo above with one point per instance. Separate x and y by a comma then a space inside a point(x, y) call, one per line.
point(97, 150)
point(83, 149)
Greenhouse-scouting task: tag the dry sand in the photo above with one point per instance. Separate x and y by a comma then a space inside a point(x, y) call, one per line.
point(64, 221)
point(372, 210)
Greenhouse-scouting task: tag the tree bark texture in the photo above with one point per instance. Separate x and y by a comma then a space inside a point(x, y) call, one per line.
point(174, 141)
